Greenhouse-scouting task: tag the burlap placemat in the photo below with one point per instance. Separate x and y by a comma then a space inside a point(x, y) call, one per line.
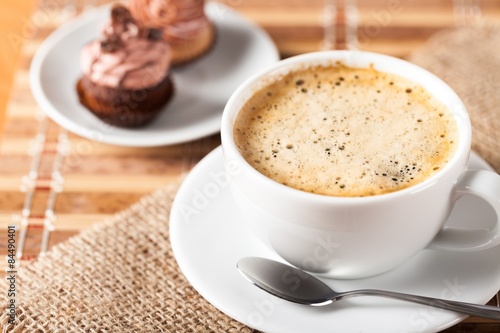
point(119, 276)
point(468, 59)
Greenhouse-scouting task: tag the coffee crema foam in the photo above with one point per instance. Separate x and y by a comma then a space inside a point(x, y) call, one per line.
point(344, 131)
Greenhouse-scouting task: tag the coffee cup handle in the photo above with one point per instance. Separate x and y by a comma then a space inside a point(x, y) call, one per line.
point(483, 184)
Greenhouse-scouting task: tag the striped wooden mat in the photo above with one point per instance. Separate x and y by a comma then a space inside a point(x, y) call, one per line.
point(53, 184)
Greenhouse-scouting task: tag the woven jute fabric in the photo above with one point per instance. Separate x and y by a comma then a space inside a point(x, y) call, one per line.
point(468, 59)
point(118, 276)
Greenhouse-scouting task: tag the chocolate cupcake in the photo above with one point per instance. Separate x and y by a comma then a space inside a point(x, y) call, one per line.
point(126, 79)
point(184, 23)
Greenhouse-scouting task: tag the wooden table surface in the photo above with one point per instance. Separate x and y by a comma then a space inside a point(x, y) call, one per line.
point(54, 184)
point(12, 16)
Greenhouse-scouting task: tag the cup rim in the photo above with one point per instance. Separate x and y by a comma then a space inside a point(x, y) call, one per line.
point(460, 114)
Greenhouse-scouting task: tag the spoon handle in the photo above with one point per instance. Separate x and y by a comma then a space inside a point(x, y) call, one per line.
point(485, 311)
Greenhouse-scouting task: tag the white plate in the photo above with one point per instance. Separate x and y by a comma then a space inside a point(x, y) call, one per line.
point(201, 88)
point(208, 238)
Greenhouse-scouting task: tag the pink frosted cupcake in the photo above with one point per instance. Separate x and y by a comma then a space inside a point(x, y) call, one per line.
point(126, 79)
point(184, 23)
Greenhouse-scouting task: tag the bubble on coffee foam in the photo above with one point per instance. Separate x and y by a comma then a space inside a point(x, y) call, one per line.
point(324, 135)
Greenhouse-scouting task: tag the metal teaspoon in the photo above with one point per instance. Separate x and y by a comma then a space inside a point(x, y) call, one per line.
point(297, 286)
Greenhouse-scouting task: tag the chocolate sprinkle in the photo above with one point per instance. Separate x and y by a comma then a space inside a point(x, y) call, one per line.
point(154, 34)
point(121, 15)
point(122, 21)
point(110, 44)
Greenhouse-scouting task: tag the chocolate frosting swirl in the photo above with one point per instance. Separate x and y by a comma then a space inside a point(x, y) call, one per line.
point(181, 20)
point(128, 56)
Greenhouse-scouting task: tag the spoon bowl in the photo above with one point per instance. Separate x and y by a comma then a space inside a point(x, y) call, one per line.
point(295, 285)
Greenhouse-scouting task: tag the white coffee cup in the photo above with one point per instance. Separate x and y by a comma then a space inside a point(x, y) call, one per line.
point(355, 237)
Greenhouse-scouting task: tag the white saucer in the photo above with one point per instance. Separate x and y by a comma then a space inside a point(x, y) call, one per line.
point(201, 88)
point(208, 238)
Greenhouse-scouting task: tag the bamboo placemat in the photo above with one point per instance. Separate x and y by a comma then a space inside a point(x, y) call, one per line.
point(54, 184)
